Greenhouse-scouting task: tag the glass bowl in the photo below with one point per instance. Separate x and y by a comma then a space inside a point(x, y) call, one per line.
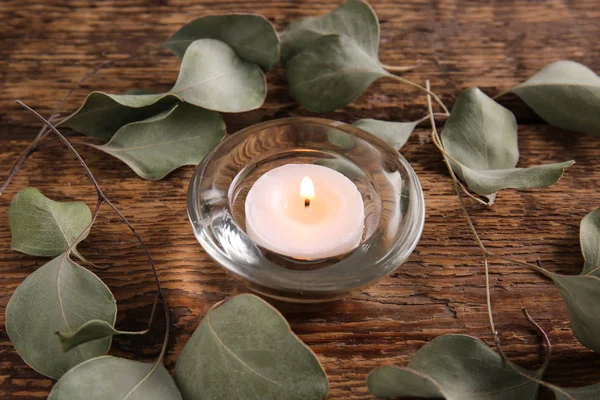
point(391, 192)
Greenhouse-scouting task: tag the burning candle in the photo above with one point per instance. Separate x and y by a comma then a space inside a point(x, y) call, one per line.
point(305, 211)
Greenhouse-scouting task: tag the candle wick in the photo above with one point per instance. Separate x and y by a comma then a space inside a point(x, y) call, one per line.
point(306, 202)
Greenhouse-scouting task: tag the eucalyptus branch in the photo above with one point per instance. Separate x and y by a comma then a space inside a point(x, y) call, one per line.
point(486, 255)
point(103, 199)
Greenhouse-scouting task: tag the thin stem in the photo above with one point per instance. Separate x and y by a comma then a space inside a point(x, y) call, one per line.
point(535, 379)
point(428, 91)
point(485, 255)
point(394, 68)
point(544, 336)
point(44, 130)
point(436, 138)
point(524, 264)
point(425, 118)
point(103, 199)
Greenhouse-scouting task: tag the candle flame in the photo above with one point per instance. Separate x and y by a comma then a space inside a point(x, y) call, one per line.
point(307, 189)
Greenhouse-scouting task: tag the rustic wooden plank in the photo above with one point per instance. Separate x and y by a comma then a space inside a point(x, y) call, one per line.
point(494, 45)
point(440, 290)
point(46, 48)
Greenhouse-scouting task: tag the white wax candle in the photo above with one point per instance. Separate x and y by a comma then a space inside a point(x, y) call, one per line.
point(305, 211)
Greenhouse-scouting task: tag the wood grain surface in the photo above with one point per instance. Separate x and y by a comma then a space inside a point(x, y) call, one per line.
point(47, 46)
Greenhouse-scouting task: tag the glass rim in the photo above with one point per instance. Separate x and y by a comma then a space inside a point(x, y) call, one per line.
point(282, 289)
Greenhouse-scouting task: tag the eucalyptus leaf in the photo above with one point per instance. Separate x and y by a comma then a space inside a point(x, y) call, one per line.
point(251, 36)
point(480, 137)
point(454, 367)
point(589, 237)
point(591, 392)
point(113, 378)
point(92, 330)
point(102, 114)
point(40, 226)
point(244, 348)
point(331, 73)
point(394, 133)
point(156, 146)
point(565, 94)
point(354, 18)
point(581, 294)
point(59, 296)
point(138, 91)
point(488, 182)
point(212, 76)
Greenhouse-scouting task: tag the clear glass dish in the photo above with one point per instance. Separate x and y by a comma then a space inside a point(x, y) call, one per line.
point(391, 192)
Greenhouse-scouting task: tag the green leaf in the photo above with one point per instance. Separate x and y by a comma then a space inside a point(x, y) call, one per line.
point(591, 392)
point(394, 133)
point(244, 349)
point(212, 76)
point(59, 296)
point(40, 226)
point(589, 237)
point(102, 114)
point(92, 330)
point(138, 91)
point(331, 73)
point(354, 18)
point(156, 146)
point(251, 36)
point(488, 182)
point(113, 378)
point(565, 94)
point(480, 137)
point(581, 294)
point(454, 367)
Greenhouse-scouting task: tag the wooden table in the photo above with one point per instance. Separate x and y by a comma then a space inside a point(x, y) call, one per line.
point(47, 46)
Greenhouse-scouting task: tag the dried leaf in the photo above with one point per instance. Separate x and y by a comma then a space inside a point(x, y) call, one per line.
point(589, 237)
point(331, 73)
point(40, 226)
point(102, 114)
point(581, 294)
point(59, 296)
point(244, 349)
point(454, 367)
point(251, 36)
point(158, 145)
point(354, 18)
point(565, 94)
point(394, 133)
point(480, 138)
point(212, 76)
point(488, 182)
point(92, 330)
point(113, 378)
